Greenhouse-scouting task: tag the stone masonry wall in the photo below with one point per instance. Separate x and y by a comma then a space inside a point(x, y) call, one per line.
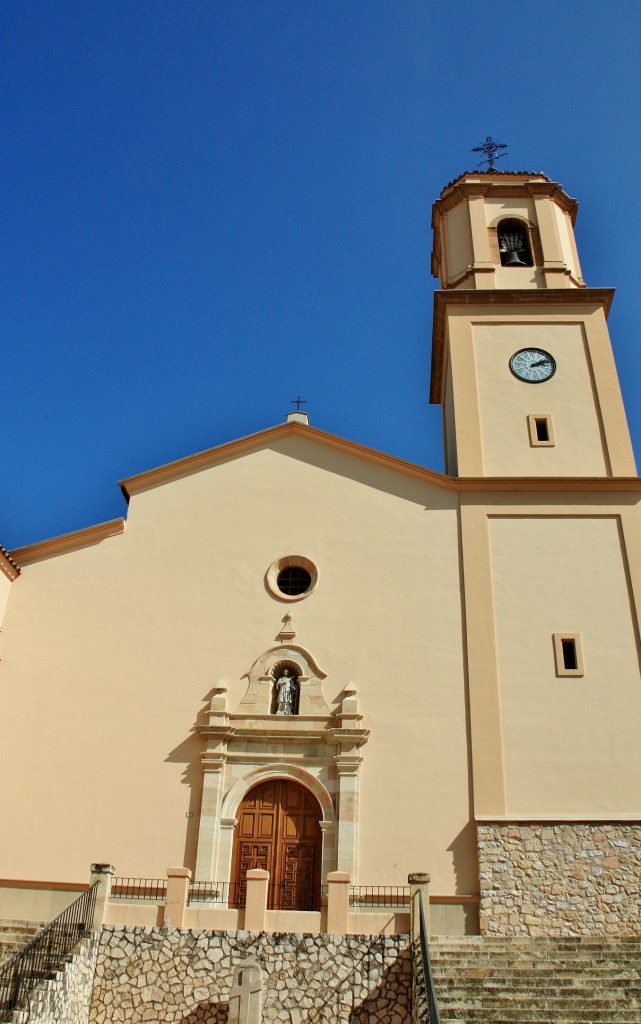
point(560, 879)
point(172, 976)
point(65, 998)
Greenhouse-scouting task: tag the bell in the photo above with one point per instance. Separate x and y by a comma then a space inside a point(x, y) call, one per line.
point(513, 242)
point(514, 260)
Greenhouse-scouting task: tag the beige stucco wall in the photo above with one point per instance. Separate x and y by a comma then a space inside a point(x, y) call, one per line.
point(571, 745)
point(492, 406)
point(458, 241)
point(5, 585)
point(566, 240)
point(568, 397)
point(111, 651)
point(449, 427)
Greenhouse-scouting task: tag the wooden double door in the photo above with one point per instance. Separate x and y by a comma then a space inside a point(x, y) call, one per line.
point(278, 830)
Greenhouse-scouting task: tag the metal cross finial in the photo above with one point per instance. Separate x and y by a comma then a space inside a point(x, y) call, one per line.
point(298, 402)
point(491, 150)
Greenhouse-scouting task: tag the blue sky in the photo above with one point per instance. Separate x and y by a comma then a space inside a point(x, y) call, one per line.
point(211, 207)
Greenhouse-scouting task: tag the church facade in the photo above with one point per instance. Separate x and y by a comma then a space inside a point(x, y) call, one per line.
point(304, 655)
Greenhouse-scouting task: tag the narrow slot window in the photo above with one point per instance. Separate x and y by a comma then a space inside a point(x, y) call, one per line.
point(540, 428)
point(568, 648)
point(568, 654)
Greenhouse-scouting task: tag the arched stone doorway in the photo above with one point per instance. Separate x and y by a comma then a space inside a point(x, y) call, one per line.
point(279, 830)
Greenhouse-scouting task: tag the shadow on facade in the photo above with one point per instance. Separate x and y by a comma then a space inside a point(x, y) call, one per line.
point(212, 1013)
point(188, 754)
point(465, 860)
point(388, 1000)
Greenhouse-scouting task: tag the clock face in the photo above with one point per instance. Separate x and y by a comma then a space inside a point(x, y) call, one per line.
point(532, 365)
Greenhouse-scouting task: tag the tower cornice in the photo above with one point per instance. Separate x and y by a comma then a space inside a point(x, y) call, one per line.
point(515, 185)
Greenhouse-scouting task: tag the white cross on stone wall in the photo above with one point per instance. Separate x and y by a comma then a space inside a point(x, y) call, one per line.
point(246, 995)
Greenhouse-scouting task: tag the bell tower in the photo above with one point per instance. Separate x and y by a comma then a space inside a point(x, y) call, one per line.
point(521, 357)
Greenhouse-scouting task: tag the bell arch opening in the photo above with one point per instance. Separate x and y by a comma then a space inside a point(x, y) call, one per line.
point(514, 243)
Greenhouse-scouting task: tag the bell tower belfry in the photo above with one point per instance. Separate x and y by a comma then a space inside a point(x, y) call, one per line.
point(521, 357)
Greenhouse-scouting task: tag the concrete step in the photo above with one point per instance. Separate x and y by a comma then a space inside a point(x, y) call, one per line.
point(536, 1001)
point(481, 981)
point(15, 935)
point(538, 966)
point(596, 974)
point(570, 987)
point(537, 953)
point(577, 1016)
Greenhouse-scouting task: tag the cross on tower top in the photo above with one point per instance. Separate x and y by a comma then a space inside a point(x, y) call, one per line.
point(491, 150)
point(298, 402)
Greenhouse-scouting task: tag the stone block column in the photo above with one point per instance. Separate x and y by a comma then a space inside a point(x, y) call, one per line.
point(176, 898)
point(256, 904)
point(337, 902)
point(209, 827)
point(419, 883)
point(348, 785)
point(102, 874)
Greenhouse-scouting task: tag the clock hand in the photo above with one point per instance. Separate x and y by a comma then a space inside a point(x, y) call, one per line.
point(541, 362)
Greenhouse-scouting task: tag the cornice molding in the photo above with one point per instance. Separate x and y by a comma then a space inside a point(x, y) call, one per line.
point(202, 460)
point(547, 484)
point(544, 819)
point(8, 567)
point(514, 187)
point(68, 542)
point(500, 297)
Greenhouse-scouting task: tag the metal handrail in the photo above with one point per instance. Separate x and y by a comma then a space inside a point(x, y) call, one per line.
point(432, 1004)
point(20, 974)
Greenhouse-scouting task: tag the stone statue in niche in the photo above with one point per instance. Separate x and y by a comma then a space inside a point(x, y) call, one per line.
point(287, 694)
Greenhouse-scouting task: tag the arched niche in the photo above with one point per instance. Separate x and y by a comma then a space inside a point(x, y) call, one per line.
point(259, 697)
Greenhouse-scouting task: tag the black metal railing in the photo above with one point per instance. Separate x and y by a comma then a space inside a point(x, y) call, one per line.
point(288, 896)
point(429, 995)
point(293, 896)
point(153, 889)
point(229, 893)
point(379, 896)
point(46, 952)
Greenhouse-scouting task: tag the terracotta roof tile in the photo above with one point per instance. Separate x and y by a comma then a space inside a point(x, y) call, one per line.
point(532, 174)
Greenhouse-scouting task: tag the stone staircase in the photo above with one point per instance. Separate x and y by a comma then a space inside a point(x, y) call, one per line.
point(16, 934)
point(537, 981)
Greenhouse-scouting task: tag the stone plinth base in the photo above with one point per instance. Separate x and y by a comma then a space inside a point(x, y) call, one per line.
point(560, 879)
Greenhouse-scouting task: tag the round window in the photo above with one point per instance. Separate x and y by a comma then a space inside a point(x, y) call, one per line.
point(291, 578)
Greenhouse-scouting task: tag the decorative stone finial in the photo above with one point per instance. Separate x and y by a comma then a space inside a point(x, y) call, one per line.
point(287, 632)
point(218, 702)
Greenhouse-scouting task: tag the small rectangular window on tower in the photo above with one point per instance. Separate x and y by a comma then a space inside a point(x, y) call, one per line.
point(568, 654)
point(540, 428)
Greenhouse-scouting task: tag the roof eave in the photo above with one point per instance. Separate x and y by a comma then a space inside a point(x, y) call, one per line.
point(193, 463)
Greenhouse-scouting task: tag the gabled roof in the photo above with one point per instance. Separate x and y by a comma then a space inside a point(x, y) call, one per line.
point(192, 463)
point(253, 442)
point(67, 542)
